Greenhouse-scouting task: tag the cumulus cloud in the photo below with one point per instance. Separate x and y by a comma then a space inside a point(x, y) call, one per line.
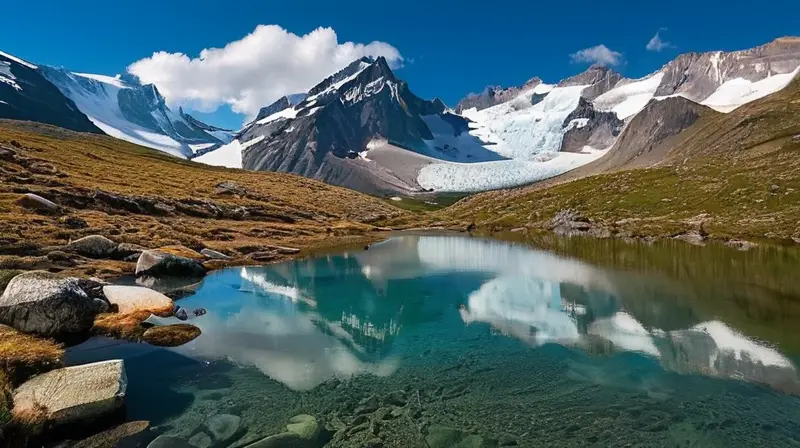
point(254, 71)
point(599, 54)
point(656, 43)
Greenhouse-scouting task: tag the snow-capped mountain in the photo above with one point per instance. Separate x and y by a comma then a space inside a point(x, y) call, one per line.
point(361, 128)
point(128, 110)
point(26, 95)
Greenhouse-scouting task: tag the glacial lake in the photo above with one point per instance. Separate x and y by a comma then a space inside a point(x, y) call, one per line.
point(474, 342)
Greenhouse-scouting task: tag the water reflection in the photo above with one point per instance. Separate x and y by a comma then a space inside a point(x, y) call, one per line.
point(304, 322)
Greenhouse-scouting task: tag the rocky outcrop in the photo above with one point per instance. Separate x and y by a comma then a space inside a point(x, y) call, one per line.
point(74, 394)
point(494, 95)
point(155, 263)
point(698, 75)
point(214, 255)
point(94, 246)
point(587, 126)
point(599, 79)
point(128, 299)
point(50, 305)
point(280, 104)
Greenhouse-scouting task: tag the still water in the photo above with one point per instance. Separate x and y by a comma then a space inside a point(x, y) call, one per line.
point(469, 342)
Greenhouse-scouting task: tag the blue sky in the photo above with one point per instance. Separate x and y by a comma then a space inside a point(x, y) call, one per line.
point(449, 48)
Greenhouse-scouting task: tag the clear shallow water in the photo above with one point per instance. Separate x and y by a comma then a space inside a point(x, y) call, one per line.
point(498, 341)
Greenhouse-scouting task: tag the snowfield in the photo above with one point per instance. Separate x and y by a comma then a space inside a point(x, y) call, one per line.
point(474, 177)
point(739, 91)
point(626, 100)
point(229, 155)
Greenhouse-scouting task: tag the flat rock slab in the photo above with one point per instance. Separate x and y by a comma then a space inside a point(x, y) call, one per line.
point(137, 298)
point(76, 393)
point(283, 249)
point(214, 255)
point(169, 442)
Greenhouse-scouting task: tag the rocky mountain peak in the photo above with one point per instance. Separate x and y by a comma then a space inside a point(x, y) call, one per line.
point(280, 104)
point(599, 78)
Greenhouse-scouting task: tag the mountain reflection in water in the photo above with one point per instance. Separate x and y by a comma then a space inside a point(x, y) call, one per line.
point(307, 321)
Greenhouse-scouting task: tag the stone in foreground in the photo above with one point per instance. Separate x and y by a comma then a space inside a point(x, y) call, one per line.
point(136, 298)
point(214, 255)
point(156, 263)
point(47, 304)
point(78, 393)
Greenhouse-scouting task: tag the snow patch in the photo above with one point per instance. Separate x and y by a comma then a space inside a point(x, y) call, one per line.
point(288, 113)
point(739, 91)
point(229, 155)
point(7, 77)
point(628, 99)
point(112, 80)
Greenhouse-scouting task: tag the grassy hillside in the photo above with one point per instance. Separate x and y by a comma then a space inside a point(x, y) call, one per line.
point(730, 175)
point(136, 195)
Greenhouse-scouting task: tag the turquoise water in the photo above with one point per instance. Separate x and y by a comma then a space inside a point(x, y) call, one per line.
point(464, 342)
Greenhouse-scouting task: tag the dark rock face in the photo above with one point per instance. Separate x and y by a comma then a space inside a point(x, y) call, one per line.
point(643, 141)
point(281, 104)
point(26, 95)
point(154, 263)
point(49, 305)
point(590, 127)
point(599, 78)
point(697, 75)
point(340, 116)
point(494, 95)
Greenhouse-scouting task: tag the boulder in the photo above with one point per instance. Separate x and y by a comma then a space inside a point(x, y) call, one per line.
point(303, 431)
point(36, 202)
point(73, 394)
point(284, 250)
point(155, 263)
point(136, 298)
point(282, 440)
point(223, 427)
point(125, 250)
point(114, 436)
point(182, 251)
point(94, 246)
point(201, 440)
point(214, 255)
point(445, 437)
point(47, 304)
point(303, 425)
point(171, 335)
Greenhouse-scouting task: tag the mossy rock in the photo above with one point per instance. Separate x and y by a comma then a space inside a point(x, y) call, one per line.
point(171, 335)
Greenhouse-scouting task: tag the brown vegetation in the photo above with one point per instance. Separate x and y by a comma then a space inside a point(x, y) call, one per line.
point(171, 335)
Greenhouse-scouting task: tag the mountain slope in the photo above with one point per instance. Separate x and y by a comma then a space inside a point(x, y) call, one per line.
point(133, 112)
point(26, 95)
point(726, 176)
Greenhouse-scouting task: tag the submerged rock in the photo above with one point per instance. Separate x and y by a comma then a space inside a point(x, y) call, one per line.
point(201, 440)
point(136, 298)
point(156, 263)
point(47, 304)
point(164, 441)
point(223, 427)
point(73, 394)
point(445, 437)
point(114, 436)
point(303, 431)
point(171, 335)
point(94, 246)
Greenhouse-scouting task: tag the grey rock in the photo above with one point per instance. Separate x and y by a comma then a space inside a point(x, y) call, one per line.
point(223, 427)
point(691, 237)
point(304, 425)
point(164, 441)
point(741, 244)
point(599, 78)
point(494, 95)
point(34, 201)
point(77, 393)
point(589, 127)
point(445, 437)
point(94, 246)
point(201, 440)
point(125, 250)
point(48, 304)
point(569, 222)
point(282, 440)
point(181, 313)
point(159, 264)
point(214, 255)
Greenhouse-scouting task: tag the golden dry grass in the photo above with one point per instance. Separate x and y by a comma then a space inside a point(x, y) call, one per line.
point(23, 354)
point(171, 335)
point(281, 209)
point(121, 325)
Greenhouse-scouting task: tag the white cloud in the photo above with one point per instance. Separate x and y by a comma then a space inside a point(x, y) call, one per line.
point(656, 43)
point(254, 71)
point(597, 55)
